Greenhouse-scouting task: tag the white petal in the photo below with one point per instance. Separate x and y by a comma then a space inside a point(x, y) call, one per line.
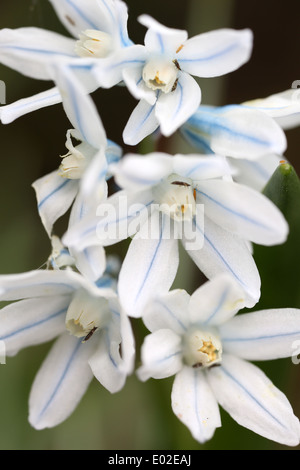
point(216, 52)
point(168, 311)
point(243, 211)
point(224, 252)
point(137, 172)
point(216, 301)
point(161, 355)
point(78, 15)
point(32, 321)
point(90, 262)
point(93, 186)
point(108, 366)
point(245, 392)
point(39, 283)
point(255, 174)
point(55, 195)
point(262, 335)
point(284, 107)
point(174, 108)
point(149, 267)
point(236, 131)
point(161, 39)
point(80, 107)
point(109, 71)
point(198, 167)
point(142, 122)
point(115, 220)
point(194, 404)
point(134, 81)
point(29, 50)
point(24, 106)
point(60, 383)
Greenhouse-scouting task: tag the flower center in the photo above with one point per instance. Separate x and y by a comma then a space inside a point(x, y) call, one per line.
point(202, 349)
point(76, 160)
point(86, 314)
point(176, 197)
point(94, 43)
point(160, 75)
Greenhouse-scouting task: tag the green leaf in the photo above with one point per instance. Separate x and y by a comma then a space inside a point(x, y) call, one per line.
point(279, 266)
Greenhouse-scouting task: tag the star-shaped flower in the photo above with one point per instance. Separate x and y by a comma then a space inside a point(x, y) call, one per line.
point(200, 340)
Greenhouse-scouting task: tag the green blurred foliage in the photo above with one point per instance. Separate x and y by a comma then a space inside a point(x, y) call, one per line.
point(140, 416)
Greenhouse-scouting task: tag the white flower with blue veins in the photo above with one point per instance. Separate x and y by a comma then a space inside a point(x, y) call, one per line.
point(90, 326)
point(159, 74)
point(221, 215)
point(98, 28)
point(201, 340)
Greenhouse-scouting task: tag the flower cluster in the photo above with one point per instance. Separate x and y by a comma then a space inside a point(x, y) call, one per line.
point(209, 200)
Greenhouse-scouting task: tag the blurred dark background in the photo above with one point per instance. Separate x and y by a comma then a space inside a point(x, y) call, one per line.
point(140, 417)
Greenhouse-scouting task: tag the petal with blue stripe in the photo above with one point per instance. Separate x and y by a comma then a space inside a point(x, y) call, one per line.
point(198, 167)
point(194, 403)
point(216, 301)
point(262, 335)
point(13, 111)
point(161, 355)
point(29, 50)
point(168, 311)
point(61, 382)
point(150, 265)
point(252, 400)
point(32, 321)
point(55, 195)
point(235, 131)
point(142, 122)
point(216, 52)
point(223, 252)
point(174, 108)
point(160, 39)
point(242, 211)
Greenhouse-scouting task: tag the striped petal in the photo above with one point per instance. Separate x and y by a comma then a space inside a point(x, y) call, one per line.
point(80, 107)
point(224, 252)
point(194, 404)
point(262, 335)
point(161, 39)
point(149, 267)
point(61, 382)
point(243, 211)
point(174, 108)
point(13, 111)
point(216, 52)
point(245, 392)
point(138, 172)
point(142, 122)
point(32, 321)
point(198, 167)
point(284, 107)
point(256, 173)
point(161, 355)
point(29, 50)
point(109, 71)
point(133, 78)
point(116, 219)
point(107, 364)
point(216, 301)
point(79, 15)
point(235, 131)
point(39, 283)
point(55, 195)
point(168, 311)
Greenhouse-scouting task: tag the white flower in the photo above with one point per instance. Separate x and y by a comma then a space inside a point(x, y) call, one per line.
point(197, 339)
point(159, 74)
point(90, 327)
point(99, 29)
point(214, 219)
point(81, 178)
